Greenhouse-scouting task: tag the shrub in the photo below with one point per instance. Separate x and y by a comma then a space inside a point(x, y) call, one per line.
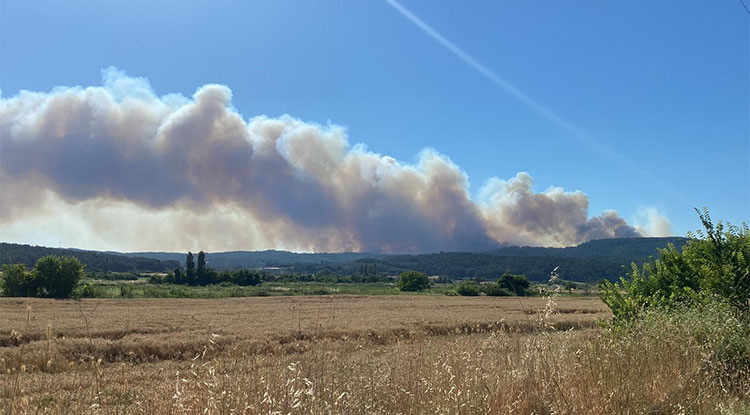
point(245, 277)
point(84, 291)
point(158, 279)
point(495, 290)
point(467, 288)
point(126, 291)
point(18, 282)
point(712, 266)
point(517, 284)
point(115, 276)
point(413, 281)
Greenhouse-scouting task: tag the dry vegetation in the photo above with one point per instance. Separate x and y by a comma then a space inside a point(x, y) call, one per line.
point(343, 354)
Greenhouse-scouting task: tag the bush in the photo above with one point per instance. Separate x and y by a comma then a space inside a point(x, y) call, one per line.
point(245, 277)
point(712, 266)
point(467, 288)
point(495, 290)
point(17, 281)
point(84, 291)
point(126, 291)
point(516, 284)
point(52, 276)
point(115, 276)
point(413, 281)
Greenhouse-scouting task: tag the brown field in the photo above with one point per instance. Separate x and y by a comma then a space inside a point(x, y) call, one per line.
point(341, 354)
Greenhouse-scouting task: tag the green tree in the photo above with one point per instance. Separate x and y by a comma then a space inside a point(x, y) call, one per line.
point(467, 288)
point(71, 272)
point(517, 284)
point(201, 273)
point(18, 282)
point(189, 269)
point(178, 277)
point(245, 277)
point(56, 276)
point(413, 281)
point(713, 266)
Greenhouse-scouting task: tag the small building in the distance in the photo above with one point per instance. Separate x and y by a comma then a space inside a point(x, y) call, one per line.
point(271, 270)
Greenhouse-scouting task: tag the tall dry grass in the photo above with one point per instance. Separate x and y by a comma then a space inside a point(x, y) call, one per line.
point(667, 365)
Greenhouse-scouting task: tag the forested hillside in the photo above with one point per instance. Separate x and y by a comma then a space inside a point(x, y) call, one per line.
point(588, 262)
point(94, 260)
point(259, 259)
point(625, 248)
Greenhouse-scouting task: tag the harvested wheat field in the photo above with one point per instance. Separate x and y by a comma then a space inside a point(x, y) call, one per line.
point(341, 354)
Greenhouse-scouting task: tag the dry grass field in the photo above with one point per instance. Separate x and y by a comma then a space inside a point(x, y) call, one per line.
point(341, 354)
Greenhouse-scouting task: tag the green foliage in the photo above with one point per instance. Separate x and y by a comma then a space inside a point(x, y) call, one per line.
point(178, 277)
point(52, 276)
point(205, 276)
point(245, 277)
point(93, 260)
point(127, 291)
point(507, 285)
point(496, 290)
point(189, 269)
point(517, 284)
point(57, 277)
point(202, 275)
point(467, 288)
point(588, 262)
point(84, 291)
point(714, 265)
point(413, 281)
point(113, 276)
point(17, 281)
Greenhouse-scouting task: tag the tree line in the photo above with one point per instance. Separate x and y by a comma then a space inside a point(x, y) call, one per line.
point(95, 261)
point(51, 277)
point(201, 275)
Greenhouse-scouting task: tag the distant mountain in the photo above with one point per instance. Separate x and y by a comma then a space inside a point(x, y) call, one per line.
point(94, 260)
point(588, 262)
point(259, 259)
point(609, 248)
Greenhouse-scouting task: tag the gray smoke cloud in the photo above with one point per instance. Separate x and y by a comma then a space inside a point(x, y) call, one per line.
point(121, 166)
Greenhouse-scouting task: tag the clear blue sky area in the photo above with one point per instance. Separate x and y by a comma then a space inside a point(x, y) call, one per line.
point(664, 84)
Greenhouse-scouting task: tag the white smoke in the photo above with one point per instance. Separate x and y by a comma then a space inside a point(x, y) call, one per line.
point(119, 167)
point(651, 222)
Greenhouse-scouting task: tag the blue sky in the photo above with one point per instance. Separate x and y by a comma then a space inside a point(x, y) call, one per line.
point(664, 85)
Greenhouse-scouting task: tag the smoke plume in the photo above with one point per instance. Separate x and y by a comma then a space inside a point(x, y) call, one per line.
point(120, 167)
